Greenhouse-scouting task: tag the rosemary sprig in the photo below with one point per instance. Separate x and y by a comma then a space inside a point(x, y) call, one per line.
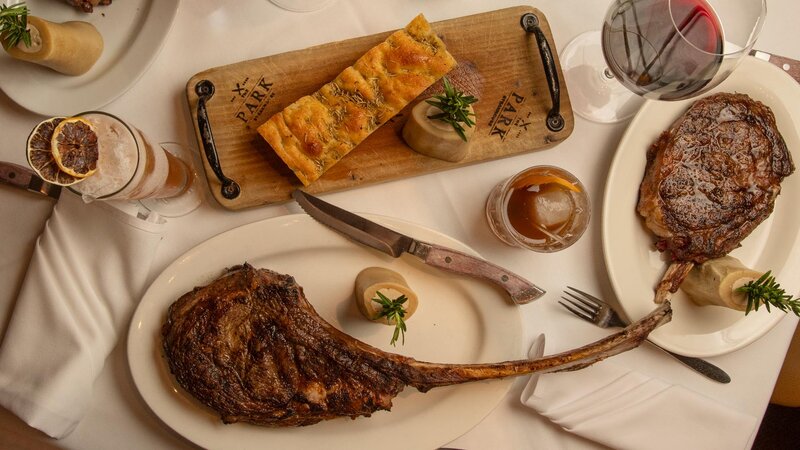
point(14, 25)
point(768, 292)
point(393, 310)
point(455, 108)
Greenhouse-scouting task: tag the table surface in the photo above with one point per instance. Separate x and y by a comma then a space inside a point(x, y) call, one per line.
point(451, 202)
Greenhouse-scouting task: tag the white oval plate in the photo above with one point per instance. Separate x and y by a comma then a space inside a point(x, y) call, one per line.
point(458, 320)
point(635, 267)
point(133, 32)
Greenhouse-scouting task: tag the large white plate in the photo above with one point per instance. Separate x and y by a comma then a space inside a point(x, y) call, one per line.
point(133, 32)
point(634, 266)
point(458, 321)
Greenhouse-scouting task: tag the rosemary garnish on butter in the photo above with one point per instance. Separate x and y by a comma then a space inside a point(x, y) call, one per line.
point(455, 108)
point(768, 292)
point(393, 311)
point(14, 25)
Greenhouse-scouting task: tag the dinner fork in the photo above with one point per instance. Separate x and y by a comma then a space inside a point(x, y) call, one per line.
point(600, 313)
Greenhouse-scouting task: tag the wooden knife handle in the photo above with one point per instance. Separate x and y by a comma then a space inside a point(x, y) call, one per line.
point(791, 66)
point(15, 174)
point(521, 290)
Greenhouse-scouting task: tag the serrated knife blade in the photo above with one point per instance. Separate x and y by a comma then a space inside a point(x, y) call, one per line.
point(395, 244)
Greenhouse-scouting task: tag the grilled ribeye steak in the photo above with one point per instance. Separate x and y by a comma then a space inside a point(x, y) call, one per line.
point(711, 179)
point(250, 346)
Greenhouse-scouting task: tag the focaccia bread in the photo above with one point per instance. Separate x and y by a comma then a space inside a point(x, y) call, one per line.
point(315, 132)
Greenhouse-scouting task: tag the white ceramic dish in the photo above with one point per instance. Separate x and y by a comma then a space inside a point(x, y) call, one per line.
point(634, 266)
point(133, 32)
point(459, 320)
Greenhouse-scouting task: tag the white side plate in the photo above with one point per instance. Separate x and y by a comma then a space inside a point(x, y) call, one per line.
point(133, 32)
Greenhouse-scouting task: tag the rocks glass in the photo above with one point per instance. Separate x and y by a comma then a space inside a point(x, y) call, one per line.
point(542, 208)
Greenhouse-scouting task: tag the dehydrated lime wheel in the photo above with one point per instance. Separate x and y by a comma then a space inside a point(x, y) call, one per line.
point(74, 146)
point(40, 155)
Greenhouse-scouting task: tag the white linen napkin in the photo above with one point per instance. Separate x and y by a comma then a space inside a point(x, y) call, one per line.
point(625, 409)
point(88, 270)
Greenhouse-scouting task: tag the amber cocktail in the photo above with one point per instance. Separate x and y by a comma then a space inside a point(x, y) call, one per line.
point(542, 208)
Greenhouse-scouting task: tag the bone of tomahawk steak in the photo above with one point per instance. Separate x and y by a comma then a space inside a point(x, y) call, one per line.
point(250, 346)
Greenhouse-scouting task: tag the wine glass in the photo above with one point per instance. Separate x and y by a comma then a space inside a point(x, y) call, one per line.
point(657, 49)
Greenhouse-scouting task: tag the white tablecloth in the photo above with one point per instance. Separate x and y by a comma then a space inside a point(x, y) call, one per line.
point(210, 33)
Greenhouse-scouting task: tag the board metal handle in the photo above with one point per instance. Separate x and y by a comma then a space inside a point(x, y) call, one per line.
point(530, 23)
point(205, 90)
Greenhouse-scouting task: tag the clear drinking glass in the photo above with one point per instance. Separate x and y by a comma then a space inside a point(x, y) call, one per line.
point(657, 49)
point(301, 5)
point(542, 208)
point(131, 166)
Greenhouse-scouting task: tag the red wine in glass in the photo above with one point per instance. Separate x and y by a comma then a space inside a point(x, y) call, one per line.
point(663, 49)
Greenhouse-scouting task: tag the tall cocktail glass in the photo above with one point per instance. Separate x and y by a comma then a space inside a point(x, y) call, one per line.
point(133, 167)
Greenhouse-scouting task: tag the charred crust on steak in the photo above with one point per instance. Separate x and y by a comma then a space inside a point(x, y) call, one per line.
point(243, 347)
point(713, 177)
point(87, 6)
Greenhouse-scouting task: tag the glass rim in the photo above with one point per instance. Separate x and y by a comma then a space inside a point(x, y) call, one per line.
point(138, 156)
point(755, 31)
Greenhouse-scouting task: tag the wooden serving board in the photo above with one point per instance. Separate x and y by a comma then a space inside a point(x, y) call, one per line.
point(499, 63)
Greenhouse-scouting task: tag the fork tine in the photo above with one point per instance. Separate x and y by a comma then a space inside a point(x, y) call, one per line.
point(591, 312)
point(589, 296)
point(577, 312)
point(593, 307)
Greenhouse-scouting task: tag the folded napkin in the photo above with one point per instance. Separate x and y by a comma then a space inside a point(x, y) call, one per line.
point(624, 409)
point(88, 271)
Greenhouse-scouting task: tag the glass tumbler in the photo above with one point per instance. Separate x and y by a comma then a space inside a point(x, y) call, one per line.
point(542, 208)
point(130, 165)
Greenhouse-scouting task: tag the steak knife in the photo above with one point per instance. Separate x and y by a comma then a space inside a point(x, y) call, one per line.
point(791, 66)
point(25, 178)
point(395, 244)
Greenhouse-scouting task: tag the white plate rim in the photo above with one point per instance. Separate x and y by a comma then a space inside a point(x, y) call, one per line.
point(481, 397)
point(49, 93)
point(756, 78)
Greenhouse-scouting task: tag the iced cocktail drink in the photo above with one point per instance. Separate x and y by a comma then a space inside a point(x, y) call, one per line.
point(542, 208)
point(130, 166)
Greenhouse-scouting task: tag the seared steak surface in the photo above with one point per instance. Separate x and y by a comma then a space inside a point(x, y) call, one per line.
point(246, 346)
point(713, 177)
point(250, 346)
